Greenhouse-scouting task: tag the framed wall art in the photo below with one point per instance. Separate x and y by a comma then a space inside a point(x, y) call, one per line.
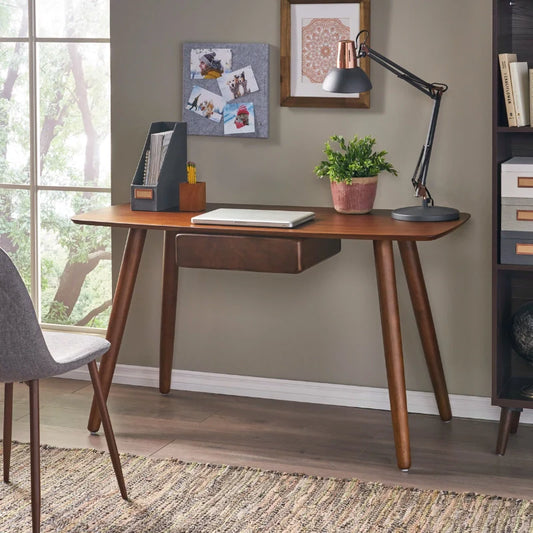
point(226, 89)
point(310, 30)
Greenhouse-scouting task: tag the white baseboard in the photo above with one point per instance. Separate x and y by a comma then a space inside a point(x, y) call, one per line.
point(302, 391)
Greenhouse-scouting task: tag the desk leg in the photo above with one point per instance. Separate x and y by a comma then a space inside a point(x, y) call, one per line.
point(168, 311)
point(426, 327)
point(119, 314)
point(392, 342)
point(509, 419)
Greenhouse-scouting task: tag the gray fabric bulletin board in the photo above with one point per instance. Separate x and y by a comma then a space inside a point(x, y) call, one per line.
point(226, 89)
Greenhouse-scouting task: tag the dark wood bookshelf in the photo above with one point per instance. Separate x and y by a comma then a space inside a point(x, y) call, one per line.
point(512, 285)
point(517, 268)
point(519, 131)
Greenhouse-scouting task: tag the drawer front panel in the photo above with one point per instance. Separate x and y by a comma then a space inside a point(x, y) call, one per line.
point(517, 184)
point(253, 254)
point(517, 217)
point(516, 247)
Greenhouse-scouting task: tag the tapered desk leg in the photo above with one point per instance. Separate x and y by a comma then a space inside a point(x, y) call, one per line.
point(168, 311)
point(119, 313)
point(392, 342)
point(426, 327)
point(509, 419)
point(515, 419)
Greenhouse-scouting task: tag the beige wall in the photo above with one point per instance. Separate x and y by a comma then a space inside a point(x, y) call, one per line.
point(322, 325)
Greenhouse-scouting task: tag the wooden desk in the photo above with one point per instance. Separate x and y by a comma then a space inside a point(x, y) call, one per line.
point(378, 227)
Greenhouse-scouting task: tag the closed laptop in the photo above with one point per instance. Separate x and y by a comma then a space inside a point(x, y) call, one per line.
point(254, 217)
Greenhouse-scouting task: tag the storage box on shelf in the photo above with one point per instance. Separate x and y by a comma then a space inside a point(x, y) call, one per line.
point(516, 245)
point(517, 214)
point(517, 177)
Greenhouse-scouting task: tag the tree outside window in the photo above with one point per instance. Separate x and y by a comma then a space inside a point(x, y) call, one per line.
point(55, 153)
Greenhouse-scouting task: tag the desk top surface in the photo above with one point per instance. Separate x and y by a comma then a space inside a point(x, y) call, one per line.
point(377, 225)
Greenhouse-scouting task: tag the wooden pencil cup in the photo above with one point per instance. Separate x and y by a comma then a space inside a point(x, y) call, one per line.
point(192, 196)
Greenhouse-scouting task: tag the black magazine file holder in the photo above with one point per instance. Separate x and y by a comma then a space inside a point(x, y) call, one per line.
point(164, 196)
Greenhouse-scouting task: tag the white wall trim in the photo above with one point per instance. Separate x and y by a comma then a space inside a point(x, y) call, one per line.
point(302, 391)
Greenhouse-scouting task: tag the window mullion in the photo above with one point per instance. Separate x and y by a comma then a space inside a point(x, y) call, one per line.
point(34, 158)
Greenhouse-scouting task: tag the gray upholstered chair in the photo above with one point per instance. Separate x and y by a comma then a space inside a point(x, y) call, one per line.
point(28, 354)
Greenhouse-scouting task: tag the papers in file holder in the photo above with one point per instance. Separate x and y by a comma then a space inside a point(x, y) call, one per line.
point(160, 192)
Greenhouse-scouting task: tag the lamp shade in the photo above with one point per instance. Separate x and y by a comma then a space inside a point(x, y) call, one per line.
point(346, 80)
point(346, 77)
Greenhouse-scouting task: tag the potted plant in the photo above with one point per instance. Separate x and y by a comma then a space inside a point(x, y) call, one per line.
point(353, 173)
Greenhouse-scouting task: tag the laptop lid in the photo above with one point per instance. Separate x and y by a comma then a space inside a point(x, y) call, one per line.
point(254, 217)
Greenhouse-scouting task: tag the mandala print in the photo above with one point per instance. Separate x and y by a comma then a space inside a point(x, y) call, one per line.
point(319, 46)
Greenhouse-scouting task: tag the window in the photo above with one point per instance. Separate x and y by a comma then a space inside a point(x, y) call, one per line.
point(55, 154)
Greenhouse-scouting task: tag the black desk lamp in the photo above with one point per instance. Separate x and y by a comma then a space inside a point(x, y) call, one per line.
point(347, 77)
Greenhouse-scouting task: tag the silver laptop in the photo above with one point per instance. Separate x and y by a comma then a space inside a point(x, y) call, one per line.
point(254, 217)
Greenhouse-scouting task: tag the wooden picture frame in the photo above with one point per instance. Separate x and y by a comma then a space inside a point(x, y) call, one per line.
point(300, 16)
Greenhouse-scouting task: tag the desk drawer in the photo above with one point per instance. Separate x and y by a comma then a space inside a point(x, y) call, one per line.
point(254, 254)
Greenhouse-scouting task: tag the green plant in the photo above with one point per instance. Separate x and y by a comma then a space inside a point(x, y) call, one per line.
point(355, 159)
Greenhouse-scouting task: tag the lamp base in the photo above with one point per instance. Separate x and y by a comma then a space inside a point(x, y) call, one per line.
point(418, 213)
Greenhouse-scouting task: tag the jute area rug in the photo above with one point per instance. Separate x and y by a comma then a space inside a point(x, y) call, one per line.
point(79, 494)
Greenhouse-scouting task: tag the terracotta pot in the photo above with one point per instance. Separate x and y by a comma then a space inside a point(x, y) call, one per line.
point(356, 198)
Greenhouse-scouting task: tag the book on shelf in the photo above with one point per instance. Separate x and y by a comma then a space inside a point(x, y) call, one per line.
point(520, 86)
point(504, 60)
point(155, 156)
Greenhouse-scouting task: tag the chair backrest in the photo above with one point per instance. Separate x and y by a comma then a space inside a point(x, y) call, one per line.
point(23, 351)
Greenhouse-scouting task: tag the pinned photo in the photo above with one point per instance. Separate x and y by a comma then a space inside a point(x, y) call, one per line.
point(239, 118)
point(210, 63)
point(238, 83)
point(206, 104)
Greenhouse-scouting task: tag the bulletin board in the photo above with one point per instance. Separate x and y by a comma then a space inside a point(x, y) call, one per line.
point(226, 89)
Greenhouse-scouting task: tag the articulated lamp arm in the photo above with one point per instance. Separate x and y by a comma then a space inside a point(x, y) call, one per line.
point(433, 90)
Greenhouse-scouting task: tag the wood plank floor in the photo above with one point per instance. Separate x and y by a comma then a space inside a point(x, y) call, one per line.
point(286, 436)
